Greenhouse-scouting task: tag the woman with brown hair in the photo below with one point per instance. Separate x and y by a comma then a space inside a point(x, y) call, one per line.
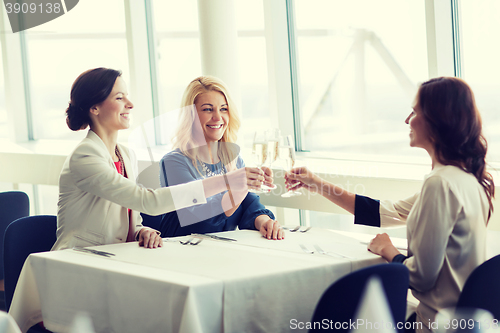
point(446, 221)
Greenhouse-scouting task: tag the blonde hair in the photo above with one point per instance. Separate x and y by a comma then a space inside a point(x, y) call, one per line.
point(184, 138)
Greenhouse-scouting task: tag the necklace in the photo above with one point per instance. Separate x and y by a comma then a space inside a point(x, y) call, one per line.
point(210, 173)
point(120, 160)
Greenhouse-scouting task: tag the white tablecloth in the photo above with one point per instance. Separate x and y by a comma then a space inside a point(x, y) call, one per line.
point(251, 285)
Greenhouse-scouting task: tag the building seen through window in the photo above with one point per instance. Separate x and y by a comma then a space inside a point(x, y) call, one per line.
point(58, 51)
point(358, 74)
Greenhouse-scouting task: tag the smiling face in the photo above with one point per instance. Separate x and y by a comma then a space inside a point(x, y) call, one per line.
point(213, 113)
point(419, 135)
point(114, 112)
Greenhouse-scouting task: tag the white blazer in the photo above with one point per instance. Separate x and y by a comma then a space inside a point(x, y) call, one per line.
point(94, 197)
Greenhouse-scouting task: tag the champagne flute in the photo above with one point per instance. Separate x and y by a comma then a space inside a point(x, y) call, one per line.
point(259, 153)
point(273, 138)
point(287, 154)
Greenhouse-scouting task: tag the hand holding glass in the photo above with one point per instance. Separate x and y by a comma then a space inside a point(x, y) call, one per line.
point(260, 154)
point(272, 139)
point(287, 154)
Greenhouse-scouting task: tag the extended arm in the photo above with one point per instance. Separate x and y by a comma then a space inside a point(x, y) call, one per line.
point(303, 178)
point(367, 211)
point(90, 170)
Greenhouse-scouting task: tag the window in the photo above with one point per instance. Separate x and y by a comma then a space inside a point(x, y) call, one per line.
point(178, 50)
point(254, 88)
point(480, 26)
point(90, 35)
point(179, 58)
point(4, 130)
point(359, 65)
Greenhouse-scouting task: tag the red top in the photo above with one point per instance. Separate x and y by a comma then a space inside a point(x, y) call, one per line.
point(119, 166)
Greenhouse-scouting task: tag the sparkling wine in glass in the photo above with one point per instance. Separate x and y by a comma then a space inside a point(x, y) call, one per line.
point(287, 154)
point(260, 153)
point(272, 138)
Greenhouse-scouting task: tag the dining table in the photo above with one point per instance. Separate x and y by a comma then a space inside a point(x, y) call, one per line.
point(234, 281)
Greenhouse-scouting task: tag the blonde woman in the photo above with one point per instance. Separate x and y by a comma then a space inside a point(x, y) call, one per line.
point(204, 147)
point(99, 201)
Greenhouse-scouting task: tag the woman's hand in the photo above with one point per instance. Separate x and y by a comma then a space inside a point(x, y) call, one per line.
point(238, 183)
point(302, 178)
point(268, 176)
point(149, 238)
point(269, 228)
point(256, 177)
point(383, 246)
point(245, 179)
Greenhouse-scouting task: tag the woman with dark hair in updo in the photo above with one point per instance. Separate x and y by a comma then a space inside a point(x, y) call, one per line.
point(446, 221)
point(99, 201)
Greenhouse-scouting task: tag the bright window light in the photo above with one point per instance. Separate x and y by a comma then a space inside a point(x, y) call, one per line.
point(359, 65)
point(480, 27)
point(86, 37)
point(4, 132)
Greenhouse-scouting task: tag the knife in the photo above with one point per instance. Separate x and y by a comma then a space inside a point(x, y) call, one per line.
point(216, 237)
point(99, 253)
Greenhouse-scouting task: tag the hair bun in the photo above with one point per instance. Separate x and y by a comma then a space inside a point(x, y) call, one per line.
point(75, 118)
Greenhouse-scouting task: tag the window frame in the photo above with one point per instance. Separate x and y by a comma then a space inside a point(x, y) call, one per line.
point(443, 55)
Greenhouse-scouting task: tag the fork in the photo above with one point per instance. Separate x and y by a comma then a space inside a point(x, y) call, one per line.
point(196, 241)
point(305, 249)
point(295, 229)
point(320, 250)
point(185, 242)
point(306, 229)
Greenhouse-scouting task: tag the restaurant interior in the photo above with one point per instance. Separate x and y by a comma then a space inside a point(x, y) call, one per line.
point(332, 80)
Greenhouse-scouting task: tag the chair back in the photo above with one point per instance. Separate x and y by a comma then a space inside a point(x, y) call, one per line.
point(13, 205)
point(481, 290)
point(22, 237)
point(340, 301)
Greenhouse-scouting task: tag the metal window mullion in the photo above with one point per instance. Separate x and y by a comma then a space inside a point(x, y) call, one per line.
point(153, 69)
point(36, 199)
point(457, 42)
point(26, 82)
point(294, 74)
point(439, 30)
point(294, 86)
point(303, 217)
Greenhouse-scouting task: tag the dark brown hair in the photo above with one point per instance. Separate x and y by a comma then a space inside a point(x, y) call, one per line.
point(455, 128)
point(90, 88)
